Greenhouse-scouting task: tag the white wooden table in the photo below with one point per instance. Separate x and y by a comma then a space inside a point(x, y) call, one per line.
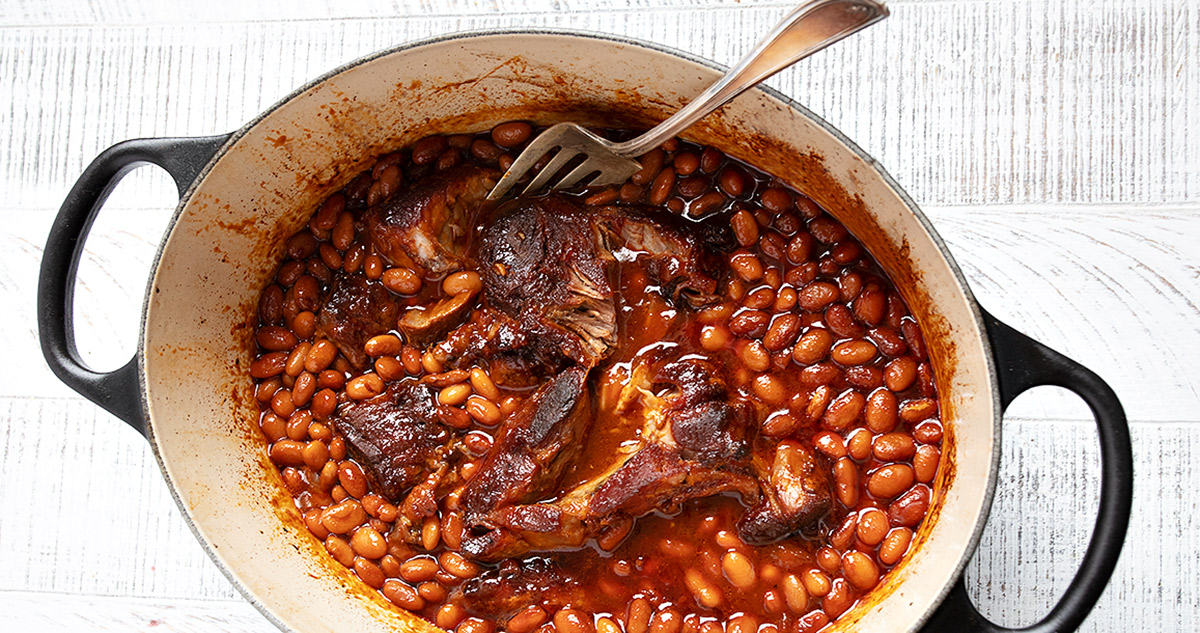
point(1055, 144)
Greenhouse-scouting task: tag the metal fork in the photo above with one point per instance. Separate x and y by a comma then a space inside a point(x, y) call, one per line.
point(809, 28)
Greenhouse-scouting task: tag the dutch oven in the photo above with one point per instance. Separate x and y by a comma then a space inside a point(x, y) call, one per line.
point(242, 194)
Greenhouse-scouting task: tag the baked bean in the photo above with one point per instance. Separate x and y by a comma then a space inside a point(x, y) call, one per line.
point(928, 432)
point(337, 448)
point(755, 356)
point(819, 374)
point(770, 389)
point(909, 508)
point(815, 582)
point(746, 266)
point(297, 425)
point(459, 566)
point(343, 232)
point(607, 196)
point(845, 477)
point(312, 521)
point(666, 621)
point(652, 163)
point(482, 384)
point(776, 200)
point(281, 403)
point(912, 335)
point(894, 447)
point(817, 295)
point(511, 134)
point(913, 411)
point(428, 149)
point(890, 480)
point(839, 598)
point(343, 517)
point(774, 246)
point(813, 346)
point(829, 444)
point(794, 593)
point(467, 282)
point(364, 386)
point(782, 332)
point(710, 201)
point(872, 526)
point(315, 455)
point(340, 550)
point(785, 300)
point(389, 368)
point(274, 338)
point(742, 624)
point(383, 345)
point(925, 463)
point(881, 411)
point(853, 352)
point(431, 364)
point(483, 410)
point(289, 273)
point(732, 181)
point(710, 159)
point(403, 595)
point(271, 364)
point(331, 379)
point(328, 213)
point(858, 444)
point(320, 356)
point(354, 259)
point(894, 545)
point(925, 379)
point(900, 374)
point(431, 533)
point(844, 409)
point(401, 281)
point(265, 390)
point(745, 228)
point(573, 621)
point(637, 616)
point(738, 569)
point(368, 543)
point(686, 163)
point(780, 424)
point(527, 619)
point(662, 186)
point(714, 337)
point(827, 230)
point(319, 432)
point(452, 529)
point(760, 298)
point(749, 323)
point(417, 570)
point(841, 322)
point(323, 404)
point(352, 478)
point(287, 453)
point(486, 151)
point(474, 625)
point(828, 560)
point(865, 377)
point(605, 624)
point(800, 248)
point(432, 591)
point(454, 395)
point(888, 340)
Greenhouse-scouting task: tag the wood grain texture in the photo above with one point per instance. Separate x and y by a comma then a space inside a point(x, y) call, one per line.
point(136, 545)
point(1055, 146)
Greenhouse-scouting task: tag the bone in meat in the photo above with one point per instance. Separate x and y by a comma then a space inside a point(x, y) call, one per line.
point(428, 226)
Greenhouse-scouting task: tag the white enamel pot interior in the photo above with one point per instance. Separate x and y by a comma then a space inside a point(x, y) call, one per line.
point(228, 235)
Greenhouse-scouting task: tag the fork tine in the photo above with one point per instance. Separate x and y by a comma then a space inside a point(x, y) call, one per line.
point(586, 168)
point(560, 159)
point(525, 161)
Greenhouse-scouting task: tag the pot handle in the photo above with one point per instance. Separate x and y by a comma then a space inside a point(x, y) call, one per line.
point(1022, 363)
point(117, 391)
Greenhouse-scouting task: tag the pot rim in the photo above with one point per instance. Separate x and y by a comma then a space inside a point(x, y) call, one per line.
point(909, 203)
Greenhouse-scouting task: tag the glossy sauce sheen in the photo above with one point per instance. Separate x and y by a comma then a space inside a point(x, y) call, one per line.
point(805, 325)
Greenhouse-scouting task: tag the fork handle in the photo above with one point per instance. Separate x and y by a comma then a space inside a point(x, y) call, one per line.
point(809, 28)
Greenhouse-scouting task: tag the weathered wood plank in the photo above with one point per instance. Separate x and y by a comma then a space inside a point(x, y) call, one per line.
point(1115, 289)
point(30, 612)
point(64, 459)
point(965, 102)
